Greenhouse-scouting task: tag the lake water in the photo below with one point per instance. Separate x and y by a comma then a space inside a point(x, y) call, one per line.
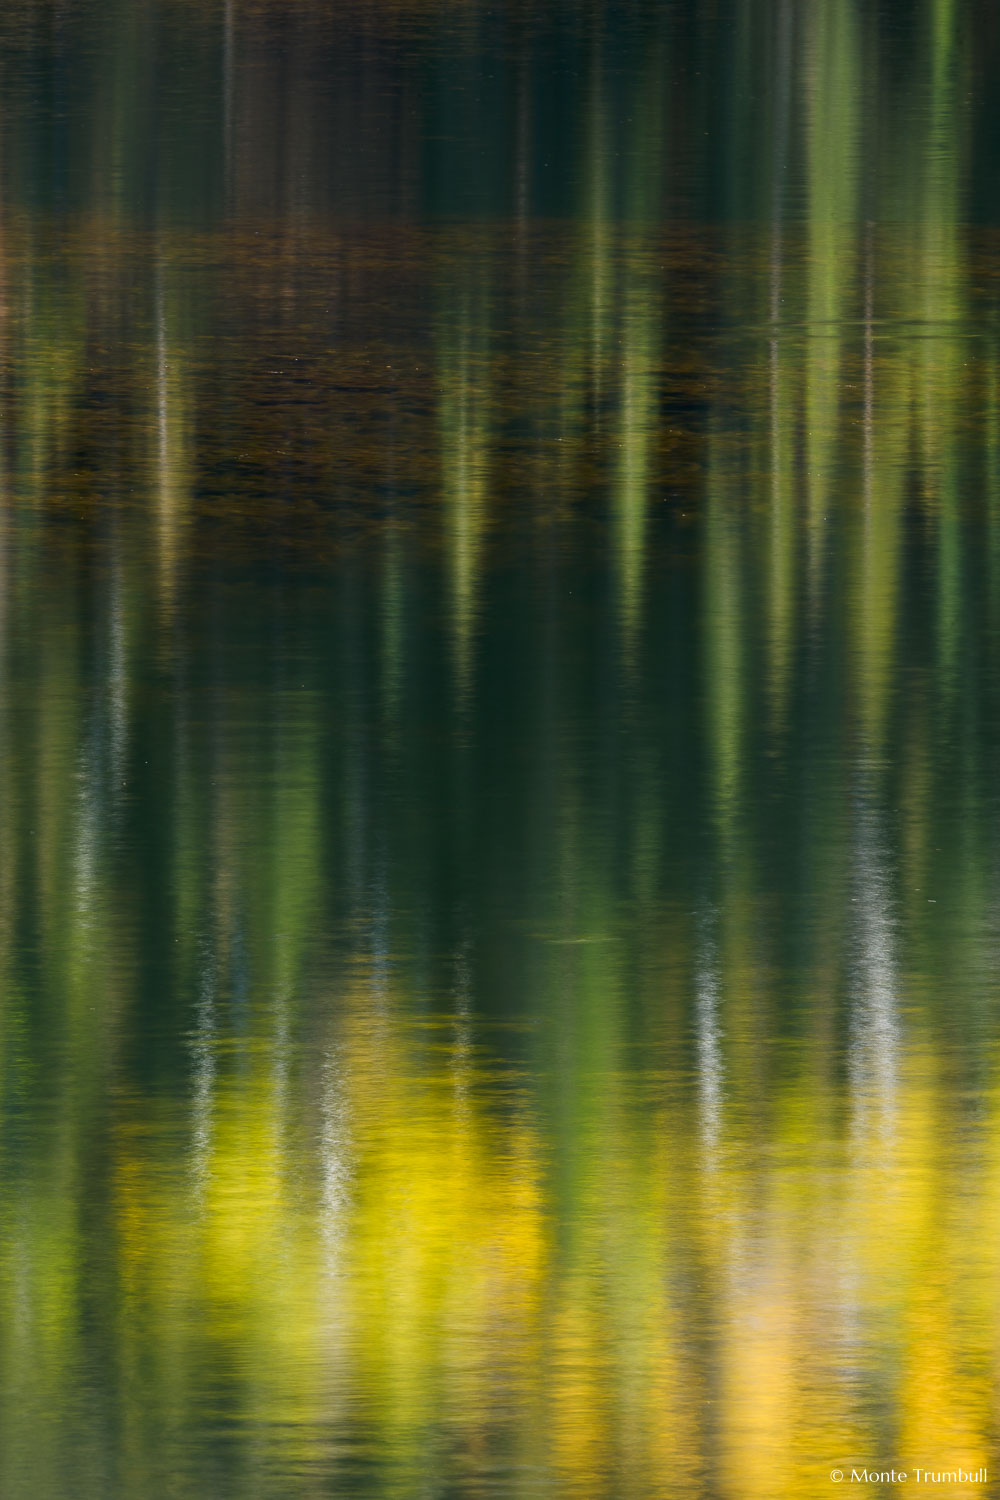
point(499, 808)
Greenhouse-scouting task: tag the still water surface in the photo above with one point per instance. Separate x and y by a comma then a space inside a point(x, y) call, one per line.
point(499, 651)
